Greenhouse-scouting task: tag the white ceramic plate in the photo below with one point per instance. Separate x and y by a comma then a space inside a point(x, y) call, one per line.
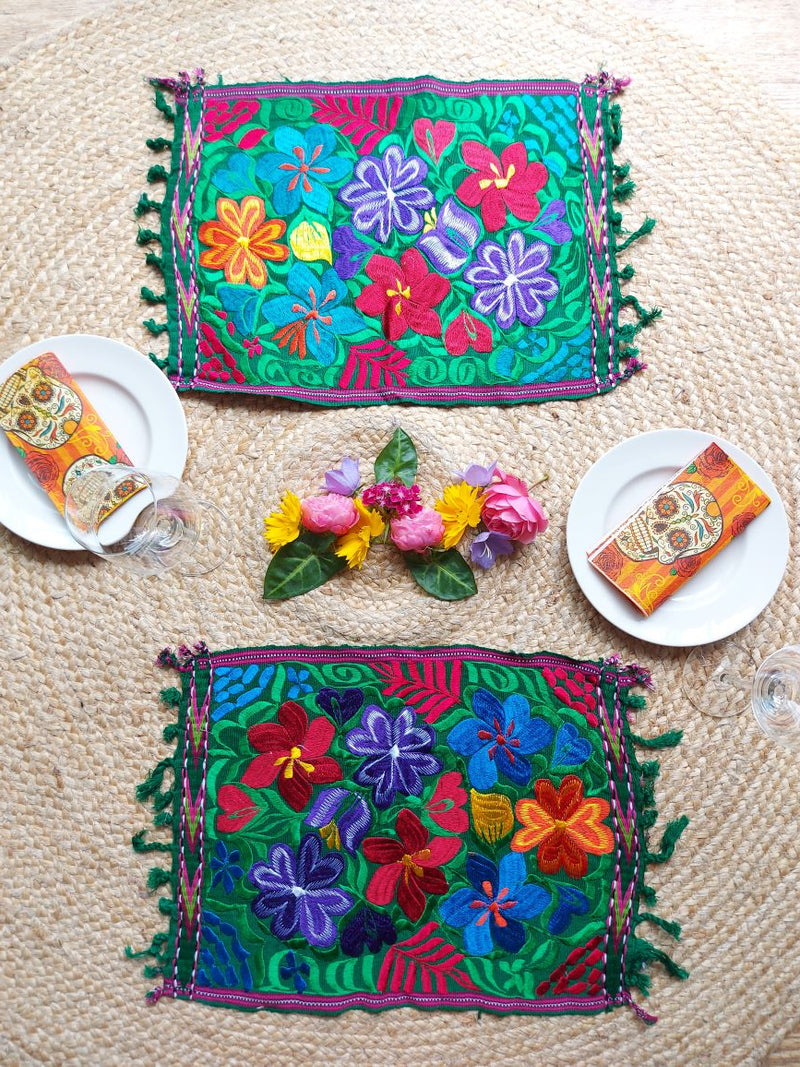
point(135, 400)
point(726, 593)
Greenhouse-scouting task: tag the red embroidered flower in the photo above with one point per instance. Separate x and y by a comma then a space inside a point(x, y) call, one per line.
point(465, 331)
point(293, 752)
point(221, 117)
point(209, 345)
point(403, 295)
point(409, 865)
point(564, 826)
point(446, 806)
point(236, 809)
point(508, 183)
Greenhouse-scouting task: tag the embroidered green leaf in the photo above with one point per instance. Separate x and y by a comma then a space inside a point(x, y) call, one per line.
point(301, 566)
point(445, 575)
point(398, 460)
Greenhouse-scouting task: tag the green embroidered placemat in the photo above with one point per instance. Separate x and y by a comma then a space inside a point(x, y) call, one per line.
point(421, 241)
point(369, 828)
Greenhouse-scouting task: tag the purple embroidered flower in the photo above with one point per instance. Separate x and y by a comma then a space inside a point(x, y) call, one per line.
point(551, 222)
point(398, 752)
point(449, 243)
point(340, 705)
point(350, 250)
point(393, 496)
point(350, 829)
point(477, 475)
point(512, 282)
point(367, 929)
point(387, 194)
point(488, 547)
point(345, 480)
point(299, 891)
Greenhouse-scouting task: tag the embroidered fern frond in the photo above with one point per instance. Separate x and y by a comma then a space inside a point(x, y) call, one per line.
point(429, 691)
point(424, 957)
point(365, 122)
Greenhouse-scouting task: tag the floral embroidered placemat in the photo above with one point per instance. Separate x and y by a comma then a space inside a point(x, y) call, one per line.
point(421, 241)
point(369, 828)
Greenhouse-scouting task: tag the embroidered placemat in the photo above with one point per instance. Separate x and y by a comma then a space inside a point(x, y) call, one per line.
point(444, 828)
point(423, 241)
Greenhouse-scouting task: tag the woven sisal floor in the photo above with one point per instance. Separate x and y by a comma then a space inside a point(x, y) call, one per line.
point(80, 721)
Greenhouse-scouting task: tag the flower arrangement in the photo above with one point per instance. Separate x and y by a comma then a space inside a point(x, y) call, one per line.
point(316, 538)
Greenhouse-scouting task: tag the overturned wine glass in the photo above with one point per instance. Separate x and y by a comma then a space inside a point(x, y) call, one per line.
point(775, 696)
point(145, 520)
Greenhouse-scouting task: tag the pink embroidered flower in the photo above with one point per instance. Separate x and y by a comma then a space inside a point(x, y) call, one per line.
point(465, 331)
point(210, 346)
point(403, 295)
point(508, 183)
point(329, 514)
point(446, 806)
point(415, 533)
point(222, 117)
point(509, 510)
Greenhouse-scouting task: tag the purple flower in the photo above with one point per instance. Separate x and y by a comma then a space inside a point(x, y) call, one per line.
point(398, 751)
point(352, 827)
point(367, 929)
point(512, 282)
point(550, 222)
point(477, 475)
point(343, 481)
point(299, 891)
point(340, 705)
point(387, 194)
point(487, 547)
point(451, 240)
point(351, 252)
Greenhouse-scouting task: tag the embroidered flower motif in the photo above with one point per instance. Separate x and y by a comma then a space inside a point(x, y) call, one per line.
point(240, 240)
point(313, 316)
point(341, 705)
point(310, 241)
point(465, 331)
point(449, 242)
point(563, 826)
point(236, 809)
point(302, 168)
point(492, 815)
point(298, 682)
point(508, 183)
point(387, 194)
point(398, 751)
point(345, 480)
point(499, 739)
point(299, 891)
point(434, 137)
point(445, 806)
point(208, 344)
point(512, 283)
point(403, 295)
point(410, 865)
point(394, 497)
point(570, 902)
point(493, 910)
point(281, 527)
point(350, 829)
point(293, 751)
point(295, 971)
point(225, 867)
point(460, 507)
point(368, 929)
point(350, 251)
point(354, 545)
point(221, 117)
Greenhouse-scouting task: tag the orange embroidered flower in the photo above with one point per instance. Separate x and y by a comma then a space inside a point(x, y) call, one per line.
point(564, 825)
point(240, 239)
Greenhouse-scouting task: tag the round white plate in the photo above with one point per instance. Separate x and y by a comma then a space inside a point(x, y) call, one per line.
point(726, 593)
point(135, 400)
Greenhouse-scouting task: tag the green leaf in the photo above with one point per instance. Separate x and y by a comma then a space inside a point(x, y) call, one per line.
point(445, 575)
point(398, 460)
point(301, 566)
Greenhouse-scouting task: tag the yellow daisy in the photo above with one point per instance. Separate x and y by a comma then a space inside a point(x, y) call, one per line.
point(460, 508)
point(283, 525)
point(354, 544)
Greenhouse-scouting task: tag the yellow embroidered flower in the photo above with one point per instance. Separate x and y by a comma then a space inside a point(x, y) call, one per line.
point(460, 508)
point(240, 239)
point(283, 525)
point(430, 220)
point(310, 241)
point(354, 544)
point(330, 835)
point(492, 815)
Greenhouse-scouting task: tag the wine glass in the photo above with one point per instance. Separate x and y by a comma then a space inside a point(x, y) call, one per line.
point(716, 678)
point(145, 520)
point(775, 696)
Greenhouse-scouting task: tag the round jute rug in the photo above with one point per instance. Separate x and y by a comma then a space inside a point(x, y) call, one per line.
point(79, 720)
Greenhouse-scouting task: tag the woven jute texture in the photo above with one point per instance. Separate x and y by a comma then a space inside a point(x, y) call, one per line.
point(79, 720)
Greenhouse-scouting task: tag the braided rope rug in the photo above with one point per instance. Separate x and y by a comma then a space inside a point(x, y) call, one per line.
point(80, 723)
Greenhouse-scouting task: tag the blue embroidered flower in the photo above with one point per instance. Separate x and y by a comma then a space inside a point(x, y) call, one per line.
point(387, 194)
point(499, 739)
point(398, 751)
point(302, 168)
point(312, 316)
point(350, 828)
point(225, 866)
point(294, 970)
point(367, 929)
point(570, 902)
point(299, 891)
point(220, 966)
point(449, 243)
point(341, 705)
point(299, 686)
point(512, 283)
point(508, 123)
point(237, 687)
point(493, 910)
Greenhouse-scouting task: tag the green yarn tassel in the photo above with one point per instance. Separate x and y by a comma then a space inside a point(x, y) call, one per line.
point(638, 980)
point(648, 894)
point(666, 740)
point(650, 769)
point(163, 106)
point(172, 697)
point(635, 700)
point(673, 929)
point(171, 732)
point(158, 144)
point(648, 818)
point(168, 907)
point(621, 171)
point(645, 228)
point(146, 237)
point(158, 942)
point(615, 121)
point(151, 297)
point(152, 260)
point(145, 204)
point(157, 877)
point(641, 952)
point(162, 364)
point(164, 818)
point(140, 845)
point(624, 191)
point(627, 272)
point(669, 839)
point(152, 972)
point(157, 173)
point(155, 327)
point(154, 780)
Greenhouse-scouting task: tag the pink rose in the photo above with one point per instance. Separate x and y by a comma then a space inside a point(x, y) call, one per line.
point(507, 509)
point(329, 514)
point(415, 533)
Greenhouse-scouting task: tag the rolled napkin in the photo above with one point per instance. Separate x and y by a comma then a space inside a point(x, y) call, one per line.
point(55, 427)
point(682, 526)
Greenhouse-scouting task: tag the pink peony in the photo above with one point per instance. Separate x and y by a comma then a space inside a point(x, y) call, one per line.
point(507, 509)
point(329, 514)
point(415, 533)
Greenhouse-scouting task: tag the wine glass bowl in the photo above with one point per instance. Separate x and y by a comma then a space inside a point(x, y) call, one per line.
point(775, 696)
